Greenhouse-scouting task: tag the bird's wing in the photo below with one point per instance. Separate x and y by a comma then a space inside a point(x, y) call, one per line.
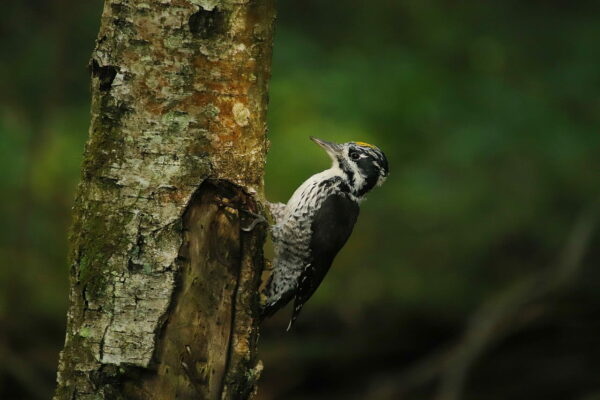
point(331, 228)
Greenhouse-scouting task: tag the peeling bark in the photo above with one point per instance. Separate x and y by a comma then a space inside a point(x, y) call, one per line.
point(163, 300)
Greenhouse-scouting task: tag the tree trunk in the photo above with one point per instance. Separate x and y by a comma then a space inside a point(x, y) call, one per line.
point(164, 283)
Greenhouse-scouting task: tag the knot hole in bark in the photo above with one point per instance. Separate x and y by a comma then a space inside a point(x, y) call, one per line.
point(106, 74)
point(207, 24)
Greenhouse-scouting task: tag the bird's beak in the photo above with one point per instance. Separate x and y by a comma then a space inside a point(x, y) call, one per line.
point(333, 149)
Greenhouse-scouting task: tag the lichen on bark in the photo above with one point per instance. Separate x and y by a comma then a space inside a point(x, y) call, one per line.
point(179, 96)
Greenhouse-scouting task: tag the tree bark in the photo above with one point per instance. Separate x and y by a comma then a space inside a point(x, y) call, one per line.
point(164, 283)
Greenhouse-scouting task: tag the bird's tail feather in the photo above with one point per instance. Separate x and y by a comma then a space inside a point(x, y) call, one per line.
point(273, 306)
point(295, 313)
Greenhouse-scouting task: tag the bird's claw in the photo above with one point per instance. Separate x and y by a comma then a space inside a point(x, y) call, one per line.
point(258, 219)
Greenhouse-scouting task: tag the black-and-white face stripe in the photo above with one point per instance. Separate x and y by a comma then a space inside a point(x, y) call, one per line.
point(364, 165)
point(360, 165)
point(376, 155)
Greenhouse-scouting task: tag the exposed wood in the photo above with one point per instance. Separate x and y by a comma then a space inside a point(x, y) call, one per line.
point(212, 325)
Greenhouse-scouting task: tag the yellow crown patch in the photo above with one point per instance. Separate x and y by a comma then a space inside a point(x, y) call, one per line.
point(364, 144)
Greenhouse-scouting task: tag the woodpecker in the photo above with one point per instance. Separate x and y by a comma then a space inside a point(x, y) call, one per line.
point(317, 221)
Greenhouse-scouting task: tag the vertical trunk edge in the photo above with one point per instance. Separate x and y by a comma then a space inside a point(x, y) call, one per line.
point(163, 299)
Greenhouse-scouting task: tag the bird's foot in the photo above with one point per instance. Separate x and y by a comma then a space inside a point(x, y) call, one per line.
point(257, 219)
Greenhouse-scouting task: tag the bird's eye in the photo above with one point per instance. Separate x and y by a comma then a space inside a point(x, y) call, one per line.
point(354, 155)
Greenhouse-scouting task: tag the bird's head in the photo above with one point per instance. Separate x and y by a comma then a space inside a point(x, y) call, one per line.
point(362, 165)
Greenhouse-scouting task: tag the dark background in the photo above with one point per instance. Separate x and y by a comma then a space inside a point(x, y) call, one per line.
point(474, 263)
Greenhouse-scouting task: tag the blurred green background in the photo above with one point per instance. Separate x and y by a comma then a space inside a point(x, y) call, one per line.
point(489, 113)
